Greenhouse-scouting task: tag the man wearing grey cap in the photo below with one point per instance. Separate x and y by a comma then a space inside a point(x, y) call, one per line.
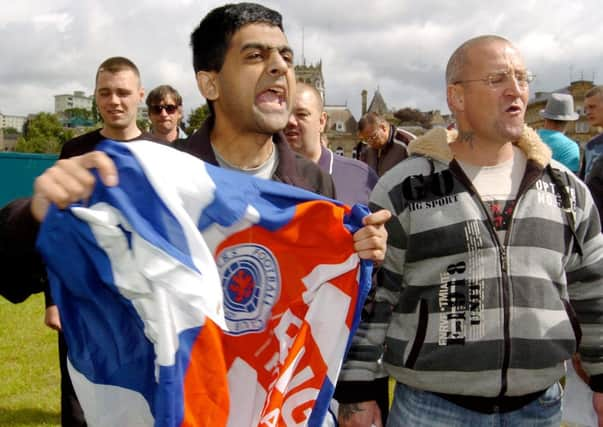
point(558, 111)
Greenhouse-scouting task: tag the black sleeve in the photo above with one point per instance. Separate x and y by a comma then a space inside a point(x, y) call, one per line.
point(595, 185)
point(23, 271)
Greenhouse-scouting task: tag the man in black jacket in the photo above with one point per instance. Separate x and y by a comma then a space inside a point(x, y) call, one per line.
point(117, 93)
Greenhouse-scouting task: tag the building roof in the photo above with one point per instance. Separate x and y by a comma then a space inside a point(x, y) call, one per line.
point(341, 114)
point(377, 104)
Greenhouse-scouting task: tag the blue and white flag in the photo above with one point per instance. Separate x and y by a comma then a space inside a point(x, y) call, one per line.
point(195, 296)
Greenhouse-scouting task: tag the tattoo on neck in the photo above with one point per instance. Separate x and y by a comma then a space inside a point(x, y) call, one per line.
point(348, 409)
point(466, 136)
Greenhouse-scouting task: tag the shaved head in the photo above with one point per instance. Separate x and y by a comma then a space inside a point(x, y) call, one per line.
point(459, 58)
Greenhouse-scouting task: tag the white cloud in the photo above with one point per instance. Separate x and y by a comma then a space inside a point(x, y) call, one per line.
point(401, 46)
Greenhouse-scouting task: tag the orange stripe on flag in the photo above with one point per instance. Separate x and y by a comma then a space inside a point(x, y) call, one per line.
point(205, 385)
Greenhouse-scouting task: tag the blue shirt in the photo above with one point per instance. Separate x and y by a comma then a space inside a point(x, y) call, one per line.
point(565, 150)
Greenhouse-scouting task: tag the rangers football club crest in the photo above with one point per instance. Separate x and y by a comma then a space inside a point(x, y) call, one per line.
point(251, 283)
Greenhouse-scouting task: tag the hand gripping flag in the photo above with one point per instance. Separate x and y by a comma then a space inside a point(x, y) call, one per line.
point(195, 296)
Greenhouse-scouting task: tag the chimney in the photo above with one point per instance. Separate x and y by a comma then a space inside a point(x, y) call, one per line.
point(364, 94)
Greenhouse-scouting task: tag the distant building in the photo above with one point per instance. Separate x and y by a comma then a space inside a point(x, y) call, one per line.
point(312, 75)
point(580, 130)
point(77, 100)
point(8, 142)
point(378, 105)
point(341, 129)
point(8, 121)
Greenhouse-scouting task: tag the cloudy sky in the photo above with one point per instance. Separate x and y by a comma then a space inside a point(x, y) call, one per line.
point(399, 46)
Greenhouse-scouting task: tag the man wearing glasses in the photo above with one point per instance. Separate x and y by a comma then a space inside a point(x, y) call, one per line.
point(493, 270)
point(387, 145)
point(165, 112)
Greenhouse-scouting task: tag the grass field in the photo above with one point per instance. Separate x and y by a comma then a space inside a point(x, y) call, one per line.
point(29, 372)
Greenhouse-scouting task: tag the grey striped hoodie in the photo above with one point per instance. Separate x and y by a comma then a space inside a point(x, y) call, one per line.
point(459, 312)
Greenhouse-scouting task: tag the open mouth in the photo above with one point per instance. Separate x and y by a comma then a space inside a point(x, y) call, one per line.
point(293, 134)
point(272, 99)
point(514, 109)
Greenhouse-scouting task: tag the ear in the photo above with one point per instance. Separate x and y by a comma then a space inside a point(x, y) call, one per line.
point(141, 93)
point(323, 121)
point(207, 84)
point(456, 98)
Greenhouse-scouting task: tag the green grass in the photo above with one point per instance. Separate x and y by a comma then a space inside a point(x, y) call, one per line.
point(29, 367)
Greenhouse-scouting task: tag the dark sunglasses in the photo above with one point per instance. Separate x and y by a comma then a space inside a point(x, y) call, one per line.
point(156, 109)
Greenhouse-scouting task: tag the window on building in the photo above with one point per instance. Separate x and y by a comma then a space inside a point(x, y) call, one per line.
point(582, 127)
point(340, 126)
point(339, 150)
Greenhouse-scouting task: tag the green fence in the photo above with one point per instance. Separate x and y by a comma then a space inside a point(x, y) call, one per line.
point(18, 172)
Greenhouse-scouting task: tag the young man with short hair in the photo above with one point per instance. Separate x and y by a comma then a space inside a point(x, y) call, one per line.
point(118, 92)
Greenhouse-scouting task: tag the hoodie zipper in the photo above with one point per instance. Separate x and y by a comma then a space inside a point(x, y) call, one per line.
point(502, 248)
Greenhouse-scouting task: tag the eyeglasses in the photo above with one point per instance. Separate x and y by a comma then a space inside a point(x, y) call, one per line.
point(370, 138)
point(169, 108)
point(502, 79)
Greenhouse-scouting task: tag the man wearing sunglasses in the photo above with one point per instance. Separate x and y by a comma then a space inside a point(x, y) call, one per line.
point(494, 270)
point(387, 145)
point(164, 104)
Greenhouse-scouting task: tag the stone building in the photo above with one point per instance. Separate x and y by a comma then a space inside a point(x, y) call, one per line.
point(341, 127)
point(11, 121)
point(312, 75)
point(580, 131)
point(341, 130)
point(76, 100)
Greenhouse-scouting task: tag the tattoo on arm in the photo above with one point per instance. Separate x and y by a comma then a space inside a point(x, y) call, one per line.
point(347, 410)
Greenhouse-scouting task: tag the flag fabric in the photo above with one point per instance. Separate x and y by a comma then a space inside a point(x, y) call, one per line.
point(195, 296)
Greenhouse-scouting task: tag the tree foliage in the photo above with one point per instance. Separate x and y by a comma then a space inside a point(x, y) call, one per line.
point(94, 113)
point(43, 134)
point(196, 118)
point(143, 124)
point(10, 131)
point(80, 113)
point(414, 117)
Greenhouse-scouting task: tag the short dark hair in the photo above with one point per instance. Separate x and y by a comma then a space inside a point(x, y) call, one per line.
point(160, 93)
point(116, 64)
point(371, 119)
point(211, 38)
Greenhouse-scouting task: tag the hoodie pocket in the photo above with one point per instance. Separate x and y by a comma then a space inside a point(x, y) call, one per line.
point(419, 337)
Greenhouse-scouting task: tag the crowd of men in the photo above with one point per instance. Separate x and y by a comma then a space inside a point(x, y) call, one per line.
point(489, 251)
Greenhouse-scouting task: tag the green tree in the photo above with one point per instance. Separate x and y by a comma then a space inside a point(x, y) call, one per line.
point(37, 144)
point(80, 113)
point(413, 116)
point(10, 131)
point(95, 115)
point(143, 124)
point(196, 118)
point(43, 134)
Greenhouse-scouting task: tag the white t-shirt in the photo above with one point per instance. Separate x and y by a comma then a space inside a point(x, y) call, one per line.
point(497, 186)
